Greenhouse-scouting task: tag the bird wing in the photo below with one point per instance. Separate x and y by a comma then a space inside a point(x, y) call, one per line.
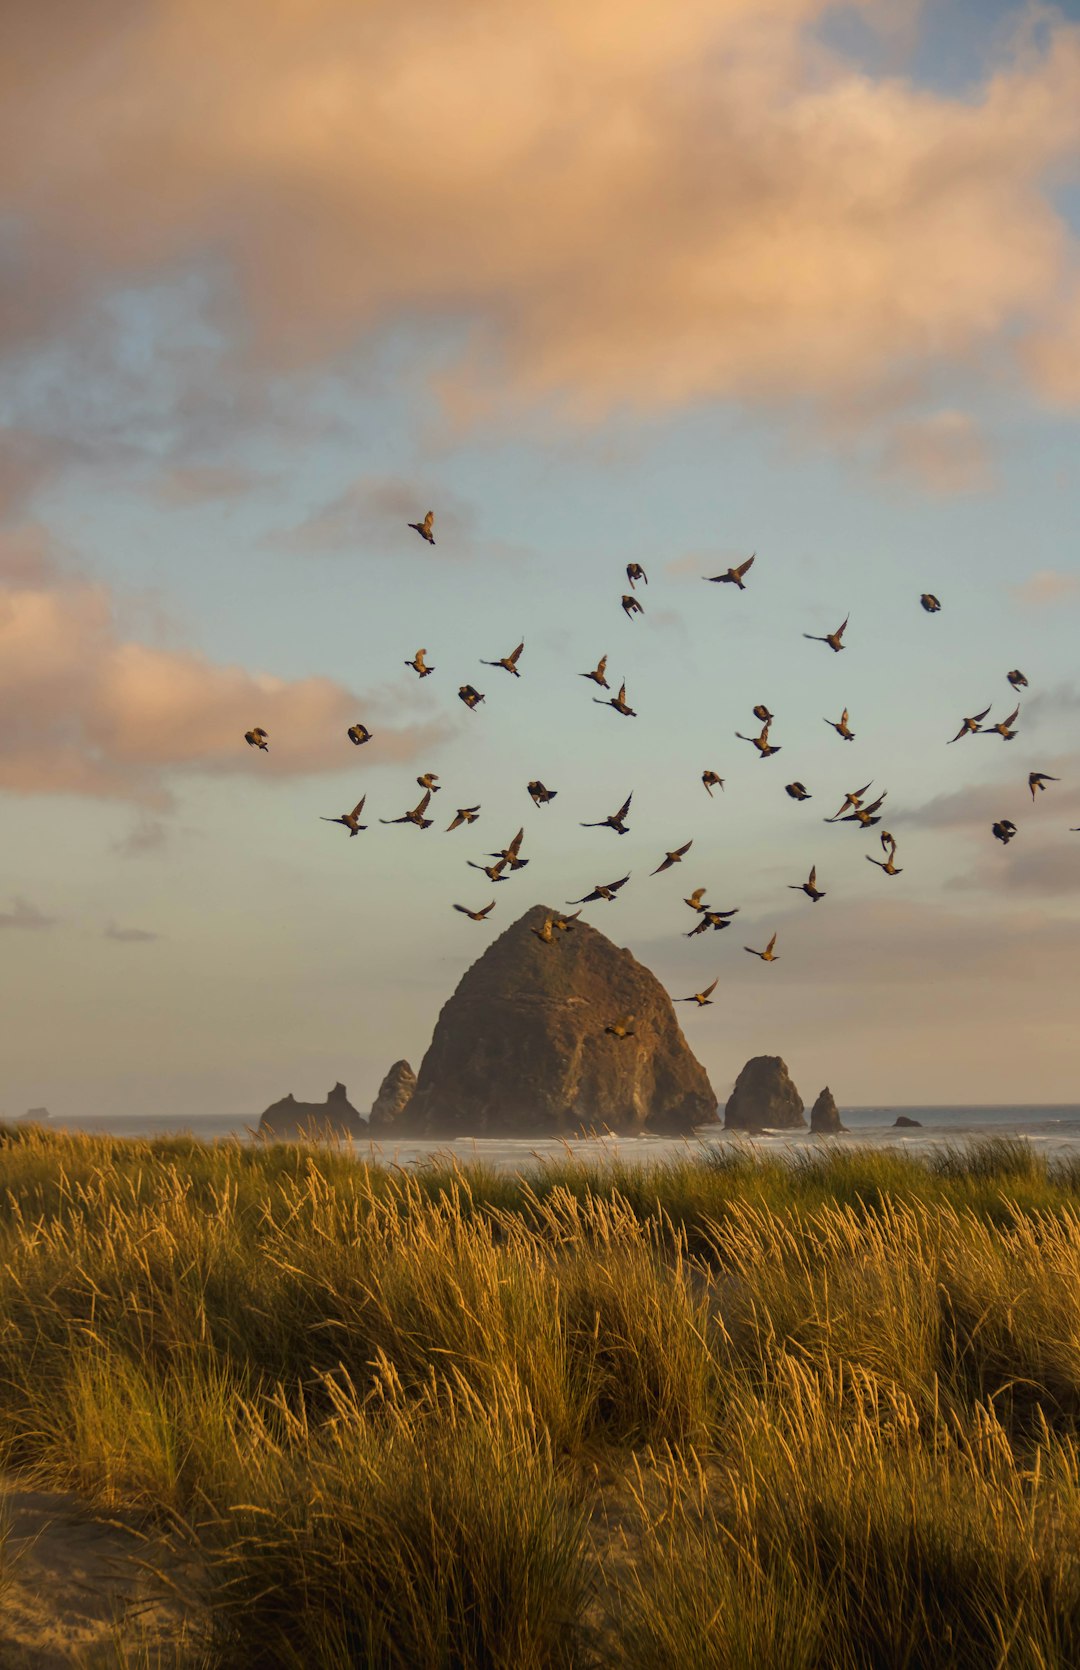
point(623, 809)
point(512, 657)
point(1013, 715)
point(487, 909)
point(622, 692)
point(979, 717)
point(961, 732)
point(679, 851)
point(840, 630)
point(428, 519)
point(697, 895)
point(711, 988)
point(813, 876)
point(771, 943)
point(464, 909)
point(515, 844)
point(601, 665)
point(844, 717)
point(613, 886)
point(744, 567)
point(424, 804)
point(359, 807)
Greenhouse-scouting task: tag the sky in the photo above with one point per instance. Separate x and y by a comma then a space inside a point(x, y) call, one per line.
point(596, 284)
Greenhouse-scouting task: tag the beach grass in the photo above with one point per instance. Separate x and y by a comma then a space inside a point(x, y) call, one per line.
point(714, 1412)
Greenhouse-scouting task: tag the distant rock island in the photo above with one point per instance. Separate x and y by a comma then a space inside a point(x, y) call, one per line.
point(289, 1120)
point(764, 1098)
point(521, 1050)
point(825, 1115)
point(36, 1115)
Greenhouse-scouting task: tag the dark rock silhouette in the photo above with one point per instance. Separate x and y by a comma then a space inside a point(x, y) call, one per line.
point(902, 1119)
point(395, 1094)
point(764, 1098)
point(520, 1048)
point(825, 1115)
point(289, 1120)
point(36, 1115)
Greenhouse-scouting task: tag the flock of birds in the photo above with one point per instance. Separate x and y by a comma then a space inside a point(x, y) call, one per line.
point(853, 809)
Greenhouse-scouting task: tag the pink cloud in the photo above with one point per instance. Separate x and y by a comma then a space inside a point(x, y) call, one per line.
point(1047, 586)
point(944, 453)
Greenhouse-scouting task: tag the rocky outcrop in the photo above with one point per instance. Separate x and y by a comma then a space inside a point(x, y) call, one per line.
point(903, 1120)
point(825, 1115)
point(395, 1094)
point(36, 1115)
point(520, 1049)
point(290, 1120)
point(764, 1098)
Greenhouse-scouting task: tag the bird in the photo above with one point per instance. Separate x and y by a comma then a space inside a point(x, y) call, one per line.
point(761, 743)
point(597, 674)
point(841, 727)
point(464, 814)
point(545, 931)
point(712, 919)
point(350, 819)
point(469, 695)
point(971, 724)
point(864, 815)
point(631, 606)
point(761, 712)
point(635, 572)
point(702, 999)
point(619, 703)
point(886, 840)
point(494, 872)
point(889, 863)
point(810, 887)
point(622, 1027)
point(256, 738)
point(1038, 780)
point(511, 854)
point(416, 816)
point(566, 924)
point(602, 890)
point(424, 528)
point(419, 665)
point(358, 734)
point(767, 956)
point(798, 791)
point(616, 821)
point(476, 915)
point(930, 603)
point(694, 901)
point(1002, 727)
point(733, 576)
point(671, 858)
point(429, 780)
point(1004, 830)
point(853, 798)
point(711, 781)
point(540, 795)
point(831, 638)
point(508, 661)
point(1017, 679)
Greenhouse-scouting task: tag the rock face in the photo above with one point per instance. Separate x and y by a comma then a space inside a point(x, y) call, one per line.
point(395, 1094)
point(825, 1115)
point(764, 1098)
point(289, 1120)
point(520, 1048)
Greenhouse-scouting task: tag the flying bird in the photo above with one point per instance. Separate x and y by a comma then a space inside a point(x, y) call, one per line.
point(351, 820)
point(508, 661)
point(733, 576)
point(566, 924)
point(464, 814)
point(711, 781)
point(476, 915)
point(622, 1027)
point(864, 815)
point(1038, 780)
point(711, 919)
point(1002, 727)
point(767, 956)
point(494, 872)
point(853, 798)
point(602, 890)
point(257, 739)
point(540, 795)
point(798, 791)
point(429, 780)
point(694, 901)
point(631, 606)
point(619, 703)
point(424, 528)
point(841, 727)
point(416, 816)
point(761, 712)
point(830, 638)
point(810, 887)
point(1004, 830)
point(702, 999)
point(511, 854)
point(597, 675)
point(889, 863)
point(1017, 679)
point(469, 695)
point(930, 603)
point(635, 572)
point(671, 858)
point(419, 665)
point(761, 743)
point(545, 931)
point(358, 734)
point(971, 724)
point(616, 820)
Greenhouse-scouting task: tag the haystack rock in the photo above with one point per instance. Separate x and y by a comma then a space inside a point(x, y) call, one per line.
point(825, 1115)
point(520, 1048)
point(395, 1094)
point(36, 1115)
point(289, 1120)
point(764, 1098)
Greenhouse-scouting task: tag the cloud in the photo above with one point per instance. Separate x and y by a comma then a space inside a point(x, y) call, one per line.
point(944, 454)
point(89, 711)
point(130, 936)
point(24, 915)
point(615, 208)
point(1046, 587)
point(147, 835)
point(377, 507)
point(200, 483)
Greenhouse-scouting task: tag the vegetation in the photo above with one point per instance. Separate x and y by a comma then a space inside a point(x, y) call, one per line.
point(810, 1416)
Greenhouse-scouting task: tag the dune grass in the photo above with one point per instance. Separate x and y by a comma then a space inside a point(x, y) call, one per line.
point(713, 1413)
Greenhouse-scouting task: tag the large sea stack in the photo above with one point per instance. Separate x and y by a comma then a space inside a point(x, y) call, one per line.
point(289, 1120)
point(764, 1098)
point(520, 1048)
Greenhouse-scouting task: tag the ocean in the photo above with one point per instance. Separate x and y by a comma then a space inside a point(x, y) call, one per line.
point(1052, 1130)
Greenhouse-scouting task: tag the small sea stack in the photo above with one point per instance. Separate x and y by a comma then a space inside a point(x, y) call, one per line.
point(290, 1120)
point(764, 1098)
point(395, 1094)
point(825, 1115)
